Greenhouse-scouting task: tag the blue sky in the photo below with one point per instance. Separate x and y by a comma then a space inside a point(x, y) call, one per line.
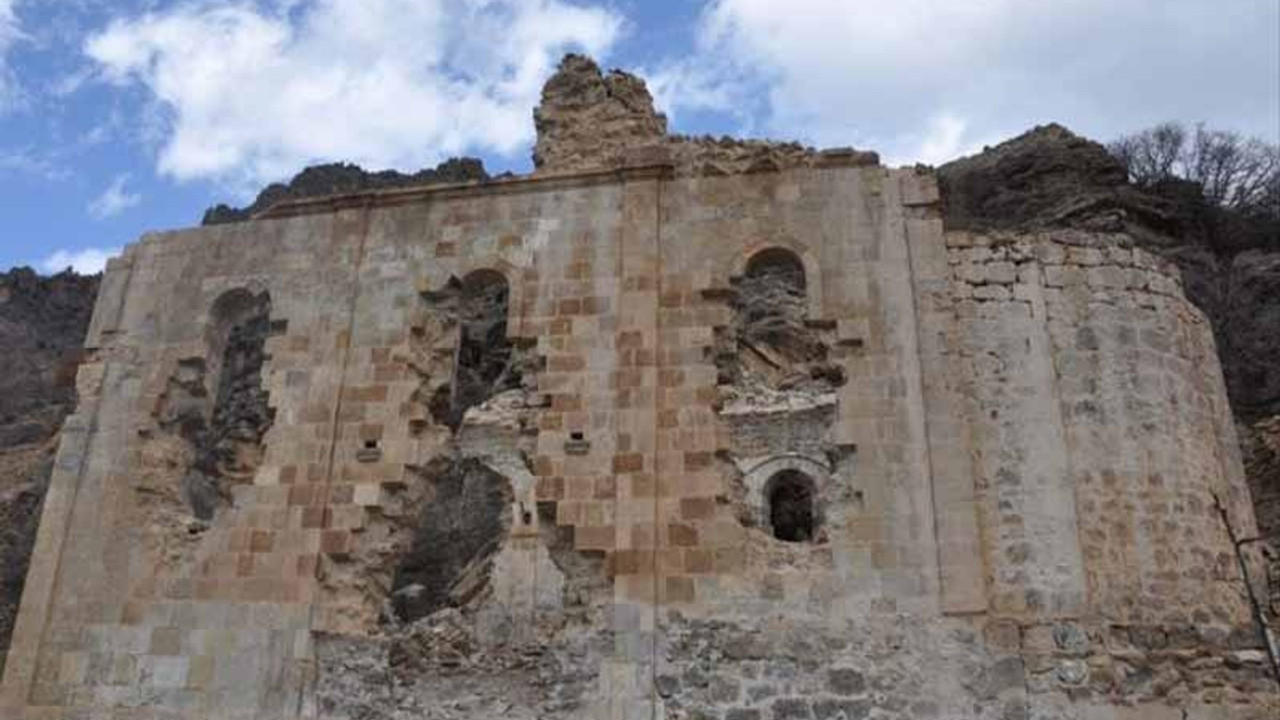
point(122, 116)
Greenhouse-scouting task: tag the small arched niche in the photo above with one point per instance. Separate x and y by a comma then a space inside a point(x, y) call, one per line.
point(791, 507)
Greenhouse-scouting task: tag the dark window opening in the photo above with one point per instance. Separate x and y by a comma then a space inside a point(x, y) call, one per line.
point(790, 496)
point(226, 430)
point(487, 364)
point(771, 332)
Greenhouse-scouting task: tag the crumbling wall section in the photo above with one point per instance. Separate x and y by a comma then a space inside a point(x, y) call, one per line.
point(218, 403)
point(880, 665)
point(1133, 399)
point(590, 120)
point(1261, 443)
point(458, 590)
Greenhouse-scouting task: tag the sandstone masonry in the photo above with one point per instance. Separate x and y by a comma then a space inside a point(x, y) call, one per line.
point(986, 488)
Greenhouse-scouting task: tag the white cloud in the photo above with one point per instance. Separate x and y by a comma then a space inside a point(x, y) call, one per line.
point(693, 85)
point(114, 199)
point(251, 94)
point(88, 261)
point(945, 137)
point(877, 74)
point(10, 34)
point(27, 160)
point(9, 30)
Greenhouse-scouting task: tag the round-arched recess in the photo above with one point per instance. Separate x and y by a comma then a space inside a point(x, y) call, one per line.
point(484, 361)
point(791, 507)
point(779, 262)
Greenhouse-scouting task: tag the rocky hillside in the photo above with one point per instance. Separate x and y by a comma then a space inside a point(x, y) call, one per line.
point(338, 178)
point(42, 327)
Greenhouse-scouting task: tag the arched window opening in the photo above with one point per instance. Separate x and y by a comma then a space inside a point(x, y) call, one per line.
point(241, 411)
point(772, 340)
point(221, 405)
point(773, 299)
point(486, 363)
point(792, 516)
point(779, 262)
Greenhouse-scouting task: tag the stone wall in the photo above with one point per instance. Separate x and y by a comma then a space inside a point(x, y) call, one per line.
point(1012, 444)
point(537, 448)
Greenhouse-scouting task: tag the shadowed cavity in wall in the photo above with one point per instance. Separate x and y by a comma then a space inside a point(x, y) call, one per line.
point(487, 362)
point(778, 370)
point(772, 342)
point(790, 496)
point(225, 427)
point(464, 522)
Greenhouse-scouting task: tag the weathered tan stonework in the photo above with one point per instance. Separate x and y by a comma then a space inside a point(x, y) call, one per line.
point(1012, 446)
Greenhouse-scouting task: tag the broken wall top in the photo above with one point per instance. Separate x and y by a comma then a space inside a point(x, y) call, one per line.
point(592, 120)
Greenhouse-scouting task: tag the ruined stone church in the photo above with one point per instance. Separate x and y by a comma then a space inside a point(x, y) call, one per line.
point(669, 428)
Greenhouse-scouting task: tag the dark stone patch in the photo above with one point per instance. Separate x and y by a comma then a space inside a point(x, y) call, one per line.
point(841, 709)
point(460, 529)
point(227, 438)
point(791, 709)
point(724, 690)
point(667, 685)
point(846, 681)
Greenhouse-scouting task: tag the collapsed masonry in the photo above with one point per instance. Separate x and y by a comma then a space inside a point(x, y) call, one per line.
point(225, 426)
point(674, 427)
point(777, 382)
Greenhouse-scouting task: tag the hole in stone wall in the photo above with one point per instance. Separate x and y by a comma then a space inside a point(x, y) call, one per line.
point(459, 531)
point(772, 343)
point(588, 582)
point(486, 363)
point(790, 504)
point(773, 304)
point(226, 437)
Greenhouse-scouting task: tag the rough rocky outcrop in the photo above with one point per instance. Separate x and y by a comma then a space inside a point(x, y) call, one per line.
point(587, 116)
point(42, 327)
point(1049, 177)
point(589, 120)
point(339, 178)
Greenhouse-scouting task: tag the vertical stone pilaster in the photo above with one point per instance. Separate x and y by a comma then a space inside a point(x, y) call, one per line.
point(961, 566)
